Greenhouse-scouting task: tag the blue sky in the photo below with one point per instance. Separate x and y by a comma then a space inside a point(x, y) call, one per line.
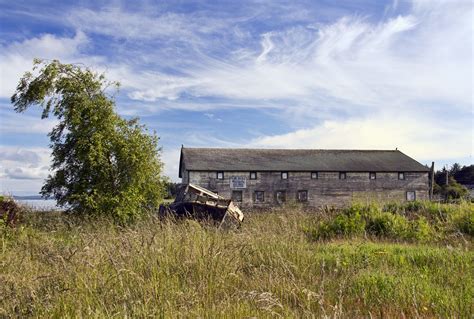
point(284, 74)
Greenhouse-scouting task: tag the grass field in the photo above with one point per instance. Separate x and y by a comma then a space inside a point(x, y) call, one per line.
point(284, 263)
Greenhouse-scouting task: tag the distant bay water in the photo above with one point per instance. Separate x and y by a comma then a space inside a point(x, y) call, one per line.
point(37, 203)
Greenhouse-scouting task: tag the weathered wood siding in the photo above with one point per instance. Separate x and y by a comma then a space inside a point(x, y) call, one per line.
point(327, 189)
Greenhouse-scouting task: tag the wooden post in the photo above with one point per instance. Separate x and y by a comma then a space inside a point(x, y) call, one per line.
point(432, 181)
point(447, 183)
point(447, 176)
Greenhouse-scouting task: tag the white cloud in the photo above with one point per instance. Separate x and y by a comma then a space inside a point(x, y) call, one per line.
point(425, 139)
point(20, 155)
point(17, 57)
point(149, 85)
point(23, 169)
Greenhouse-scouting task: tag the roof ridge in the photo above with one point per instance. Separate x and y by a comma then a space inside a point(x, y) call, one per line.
point(291, 149)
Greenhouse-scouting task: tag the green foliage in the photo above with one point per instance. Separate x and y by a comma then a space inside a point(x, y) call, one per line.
point(342, 225)
point(388, 225)
point(464, 222)
point(414, 206)
point(454, 190)
point(429, 222)
point(457, 177)
point(465, 175)
point(171, 189)
point(410, 221)
point(102, 164)
point(420, 230)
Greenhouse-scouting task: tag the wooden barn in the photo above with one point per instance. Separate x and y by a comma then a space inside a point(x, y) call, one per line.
point(270, 177)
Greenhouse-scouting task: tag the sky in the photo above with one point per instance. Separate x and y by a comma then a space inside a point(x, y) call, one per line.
point(349, 74)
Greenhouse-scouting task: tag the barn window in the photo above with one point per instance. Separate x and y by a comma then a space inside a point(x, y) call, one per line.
point(253, 175)
point(302, 196)
point(259, 196)
point(284, 175)
point(411, 196)
point(281, 196)
point(314, 175)
point(237, 196)
point(220, 175)
point(401, 175)
point(342, 175)
point(372, 175)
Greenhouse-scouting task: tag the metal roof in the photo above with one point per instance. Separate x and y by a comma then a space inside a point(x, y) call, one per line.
point(246, 159)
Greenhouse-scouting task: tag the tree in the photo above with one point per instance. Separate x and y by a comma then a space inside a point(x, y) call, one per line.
point(440, 177)
point(455, 168)
point(465, 175)
point(101, 164)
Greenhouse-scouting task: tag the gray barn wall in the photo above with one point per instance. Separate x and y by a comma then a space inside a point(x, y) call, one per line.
point(328, 189)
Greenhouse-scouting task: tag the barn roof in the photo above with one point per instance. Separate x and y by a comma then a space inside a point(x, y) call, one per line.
point(246, 159)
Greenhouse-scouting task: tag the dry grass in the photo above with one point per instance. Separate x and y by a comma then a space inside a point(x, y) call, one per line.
point(52, 267)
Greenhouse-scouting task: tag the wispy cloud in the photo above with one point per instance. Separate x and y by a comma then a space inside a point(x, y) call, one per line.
point(422, 56)
point(117, 23)
point(17, 57)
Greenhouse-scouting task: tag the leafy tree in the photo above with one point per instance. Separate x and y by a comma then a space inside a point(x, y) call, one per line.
point(171, 189)
point(101, 164)
point(465, 175)
point(455, 168)
point(440, 177)
point(453, 190)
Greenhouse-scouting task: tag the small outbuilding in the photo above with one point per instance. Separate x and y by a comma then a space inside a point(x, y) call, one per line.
point(313, 177)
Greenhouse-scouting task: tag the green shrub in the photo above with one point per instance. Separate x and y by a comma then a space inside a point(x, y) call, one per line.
point(385, 224)
point(342, 225)
point(464, 223)
point(414, 206)
point(373, 221)
point(391, 208)
point(420, 229)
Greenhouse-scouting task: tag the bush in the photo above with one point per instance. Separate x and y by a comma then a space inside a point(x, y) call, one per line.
point(9, 211)
point(452, 191)
point(373, 221)
point(387, 225)
point(420, 230)
point(342, 225)
point(414, 206)
point(391, 208)
point(464, 223)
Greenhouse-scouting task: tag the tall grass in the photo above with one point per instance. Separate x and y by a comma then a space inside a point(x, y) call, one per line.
point(55, 267)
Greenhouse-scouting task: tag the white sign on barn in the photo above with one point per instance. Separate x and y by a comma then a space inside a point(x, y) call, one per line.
point(238, 182)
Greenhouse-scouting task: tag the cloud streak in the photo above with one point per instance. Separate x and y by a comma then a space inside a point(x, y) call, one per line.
point(17, 57)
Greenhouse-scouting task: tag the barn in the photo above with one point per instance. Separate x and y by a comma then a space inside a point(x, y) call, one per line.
point(312, 177)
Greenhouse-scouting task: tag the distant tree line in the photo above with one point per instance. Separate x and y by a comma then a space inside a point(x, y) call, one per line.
point(450, 183)
point(171, 189)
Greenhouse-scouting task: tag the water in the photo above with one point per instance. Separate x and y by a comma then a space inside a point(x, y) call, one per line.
point(39, 204)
